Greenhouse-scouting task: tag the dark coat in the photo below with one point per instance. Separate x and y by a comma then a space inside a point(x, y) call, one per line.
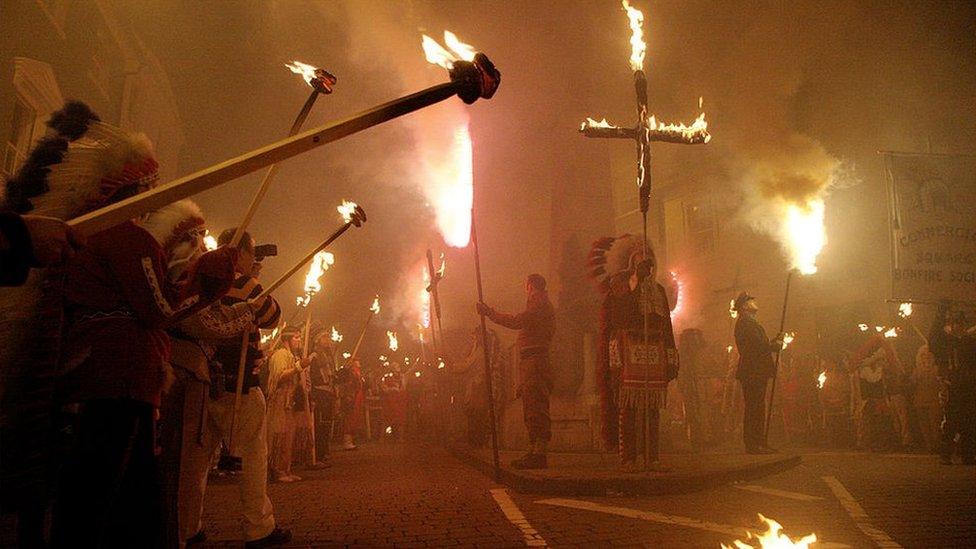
point(755, 350)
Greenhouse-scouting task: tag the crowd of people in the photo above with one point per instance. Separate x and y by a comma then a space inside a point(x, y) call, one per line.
point(879, 393)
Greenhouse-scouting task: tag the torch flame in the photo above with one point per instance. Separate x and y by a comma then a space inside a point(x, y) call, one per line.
point(787, 339)
point(209, 241)
point(336, 336)
point(863, 327)
point(346, 355)
point(773, 538)
point(728, 349)
point(320, 264)
point(269, 337)
point(637, 46)
point(679, 301)
point(444, 57)
point(394, 344)
point(732, 312)
point(891, 332)
point(697, 132)
point(375, 307)
point(805, 228)
point(347, 209)
point(307, 71)
point(905, 310)
point(590, 123)
point(821, 379)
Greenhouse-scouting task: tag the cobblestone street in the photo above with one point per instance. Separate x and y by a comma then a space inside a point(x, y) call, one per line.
point(419, 496)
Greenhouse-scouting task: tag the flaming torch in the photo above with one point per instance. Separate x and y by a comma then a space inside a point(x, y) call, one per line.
point(432, 282)
point(374, 310)
point(470, 80)
point(821, 379)
point(449, 58)
point(905, 310)
point(320, 263)
point(336, 336)
point(209, 242)
point(392, 338)
point(321, 82)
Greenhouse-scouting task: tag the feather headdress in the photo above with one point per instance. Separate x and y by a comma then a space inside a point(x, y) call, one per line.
point(85, 165)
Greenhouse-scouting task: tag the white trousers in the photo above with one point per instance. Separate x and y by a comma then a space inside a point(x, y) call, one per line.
point(250, 444)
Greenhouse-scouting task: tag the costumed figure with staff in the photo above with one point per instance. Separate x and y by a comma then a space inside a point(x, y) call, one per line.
point(535, 326)
point(633, 378)
point(755, 368)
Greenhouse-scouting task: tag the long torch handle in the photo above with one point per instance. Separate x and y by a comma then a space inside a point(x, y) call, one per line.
point(782, 326)
point(269, 175)
point(308, 257)
point(239, 388)
point(484, 344)
point(208, 178)
point(362, 335)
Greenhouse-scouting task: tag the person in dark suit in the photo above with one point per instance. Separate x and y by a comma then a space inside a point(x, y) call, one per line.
point(756, 367)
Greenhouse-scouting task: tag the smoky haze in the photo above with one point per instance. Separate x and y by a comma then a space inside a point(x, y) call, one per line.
point(831, 80)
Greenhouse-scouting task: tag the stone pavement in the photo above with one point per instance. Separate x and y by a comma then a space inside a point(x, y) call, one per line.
point(386, 495)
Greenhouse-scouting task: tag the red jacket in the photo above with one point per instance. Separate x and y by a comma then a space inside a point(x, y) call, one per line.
point(118, 303)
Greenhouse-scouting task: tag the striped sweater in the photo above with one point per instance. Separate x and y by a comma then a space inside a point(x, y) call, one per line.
point(266, 316)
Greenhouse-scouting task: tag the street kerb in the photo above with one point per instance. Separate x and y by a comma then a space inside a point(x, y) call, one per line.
point(598, 476)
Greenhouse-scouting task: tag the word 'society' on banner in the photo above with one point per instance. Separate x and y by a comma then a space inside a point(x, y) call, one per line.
point(932, 204)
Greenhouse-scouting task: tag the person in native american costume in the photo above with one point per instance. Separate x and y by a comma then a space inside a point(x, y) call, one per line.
point(102, 321)
point(627, 282)
point(536, 327)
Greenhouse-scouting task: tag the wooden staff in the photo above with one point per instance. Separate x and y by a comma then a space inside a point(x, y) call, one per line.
point(484, 344)
point(782, 326)
point(469, 80)
point(357, 219)
point(362, 334)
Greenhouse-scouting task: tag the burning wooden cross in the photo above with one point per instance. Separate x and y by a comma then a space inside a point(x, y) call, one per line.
point(435, 276)
point(647, 130)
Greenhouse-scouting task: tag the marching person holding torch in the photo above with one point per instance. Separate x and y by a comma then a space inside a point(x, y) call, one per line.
point(756, 366)
point(535, 326)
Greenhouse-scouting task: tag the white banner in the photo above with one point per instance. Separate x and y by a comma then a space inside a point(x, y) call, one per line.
point(932, 201)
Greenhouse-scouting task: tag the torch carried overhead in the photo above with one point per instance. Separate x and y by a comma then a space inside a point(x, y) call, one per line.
point(471, 79)
point(374, 310)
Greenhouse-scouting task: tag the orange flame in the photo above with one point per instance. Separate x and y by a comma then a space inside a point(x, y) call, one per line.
point(209, 242)
point(697, 131)
point(394, 343)
point(891, 332)
point(452, 191)
point(346, 209)
point(637, 46)
point(773, 538)
point(732, 312)
point(446, 57)
point(788, 338)
point(821, 379)
point(590, 123)
point(320, 263)
point(307, 71)
point(905, 310)
point(336, 336)
point(375, 307)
